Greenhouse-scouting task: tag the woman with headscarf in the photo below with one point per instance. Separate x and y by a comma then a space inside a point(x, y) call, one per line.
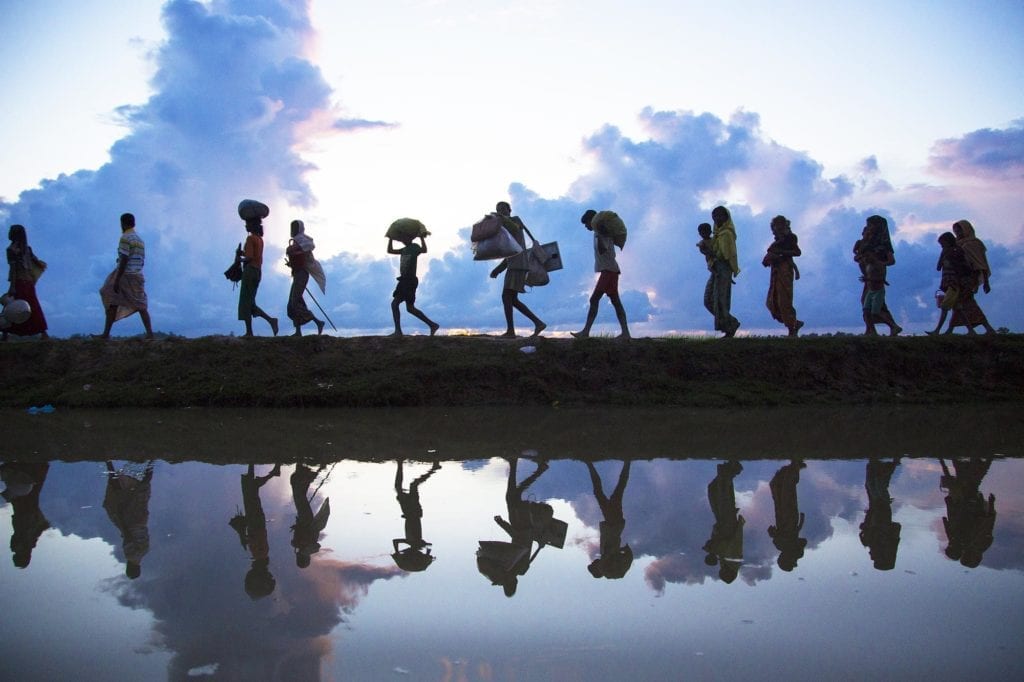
point(724, 267)
point(876, 240)
point(23, 271)
point(303, 264)
point(969, 313)
point(779, 258)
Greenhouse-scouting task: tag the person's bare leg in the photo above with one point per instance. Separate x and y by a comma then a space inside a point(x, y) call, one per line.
point(620, 312)
point(413, 310)
point(396, 316)
point(595, 300)
point(144, 314)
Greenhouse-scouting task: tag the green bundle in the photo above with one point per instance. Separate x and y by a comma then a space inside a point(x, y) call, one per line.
point(406, 228)
point(610, 224)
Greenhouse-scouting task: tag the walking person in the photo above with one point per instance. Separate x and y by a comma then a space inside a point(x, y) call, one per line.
point(724, 268)
point(515, 268)
point(124, 291)
point(23, 270)
point(302, 263)
point(970, 314)
point(607, 279)
point(875, 240)
point(784, 272)
point(251, 256)
point(405, 290)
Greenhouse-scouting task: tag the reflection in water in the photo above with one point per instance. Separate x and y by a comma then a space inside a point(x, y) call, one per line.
point(802, 584)
point(879, 533)
point(23, 483)
point(969, 520)
point(251, 526)
point(127, 503)
point(788, 518)
point(615, 558)
point(416, 556)
point(725, 546)
point(308, 526)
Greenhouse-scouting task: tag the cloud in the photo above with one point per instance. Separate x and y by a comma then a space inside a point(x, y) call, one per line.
point(988, 153)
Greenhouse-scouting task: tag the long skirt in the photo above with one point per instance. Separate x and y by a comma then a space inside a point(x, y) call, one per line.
point(780, 295)
point(25, 290)
point(130, 296)
point(298, 311)
point(247, 293)
point(721, 298)
point(967, 312)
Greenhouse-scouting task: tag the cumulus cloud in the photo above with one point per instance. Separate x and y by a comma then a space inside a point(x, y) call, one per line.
point(989, 153)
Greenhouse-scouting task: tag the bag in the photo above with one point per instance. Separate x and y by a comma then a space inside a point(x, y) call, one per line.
point(501, 245)
point(610, 224)
point(296, 257)
point(234, 273)
point(250, 209)
point(485, 228)
point(406, 228)
point(554, 259)
point(36, 269)
point(536, 273)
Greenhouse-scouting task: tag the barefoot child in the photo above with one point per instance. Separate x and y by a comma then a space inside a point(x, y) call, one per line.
point(405, 290)
point(874, 297)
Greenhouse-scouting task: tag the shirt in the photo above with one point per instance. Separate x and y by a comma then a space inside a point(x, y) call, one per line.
point(604, 262)
point(133, 248)
point(407, 264)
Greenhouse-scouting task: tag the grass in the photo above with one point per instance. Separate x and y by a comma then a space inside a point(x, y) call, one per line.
point(481, 370)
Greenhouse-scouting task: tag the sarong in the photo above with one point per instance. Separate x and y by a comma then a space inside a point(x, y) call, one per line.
point(130, 297)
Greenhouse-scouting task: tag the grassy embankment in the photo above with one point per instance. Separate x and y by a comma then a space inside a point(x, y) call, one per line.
point(480, 370)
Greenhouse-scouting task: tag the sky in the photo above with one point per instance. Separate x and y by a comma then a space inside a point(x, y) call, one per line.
point(351, 115)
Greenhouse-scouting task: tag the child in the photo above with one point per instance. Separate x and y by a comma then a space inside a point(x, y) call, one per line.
point(405, 290)
point(607, 281)
point(874, 296)
point(953, 266)
point(705, 246)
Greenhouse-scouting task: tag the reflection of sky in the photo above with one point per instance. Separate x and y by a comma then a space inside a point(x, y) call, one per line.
point(352, 614)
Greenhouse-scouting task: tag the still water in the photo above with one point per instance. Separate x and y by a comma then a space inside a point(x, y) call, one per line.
point(509, 566)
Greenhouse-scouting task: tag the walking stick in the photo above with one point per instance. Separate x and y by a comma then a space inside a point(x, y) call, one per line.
point(321, 308)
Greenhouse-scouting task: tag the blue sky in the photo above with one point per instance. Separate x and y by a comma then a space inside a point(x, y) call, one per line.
point(349, 116)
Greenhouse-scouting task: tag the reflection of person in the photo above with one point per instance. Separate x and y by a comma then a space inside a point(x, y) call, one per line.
point(416, 555)
point(302, 263)
point(879, 533)
point(307, 528)
point(23, 483)
point(515, 267)
point(724, 267)
point(970, 518)
point(22, 266)
point(874, 248)
point(725, 546)
point(124, 291)
point(251, 256)
point(788, 518)
point(504, 562)
point(615, 558)
point(607, 280)
point(405, 290)
point(779, 258)
point(251, 527)
point(127, 504)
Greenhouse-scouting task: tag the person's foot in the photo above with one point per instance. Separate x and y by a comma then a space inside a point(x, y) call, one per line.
point(795, 330)
point(397, 334)
point(580, 334)
point(932, 332)
point(538, 328)
point(319, 327)
point(871, 332)
point(298, 332)
point(508, 335)
point(101, 337)
point(624, 336)
point(895, 331)
point(434, 326)
point(44, 336)
point(276, 471)
point(273, 325)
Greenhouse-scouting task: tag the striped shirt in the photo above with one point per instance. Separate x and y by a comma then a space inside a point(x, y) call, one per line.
point(134, 249)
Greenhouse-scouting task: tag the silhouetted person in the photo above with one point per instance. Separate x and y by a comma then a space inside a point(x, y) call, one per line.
point(615, 558)
point(970, 518)
point(308, 526)
point(127, 503)
point(879, 533)
point(956, 276)
point(725, 546)
point(724, 267)
point(251, 527)
point(504, 562)
point(779, 258)
point(788, 518)
point(607, 283)
point(124, 291)
point(515, 268)
point(416, 556)
point(23, 483)
point(874, 249)
point(969, 313)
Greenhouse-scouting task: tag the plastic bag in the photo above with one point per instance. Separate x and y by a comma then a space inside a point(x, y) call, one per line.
point(501, 245)
point(537, 274)
point(485, 228)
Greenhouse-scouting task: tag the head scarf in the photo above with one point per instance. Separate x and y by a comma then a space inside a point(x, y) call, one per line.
point(973, 248)
point(723, 242)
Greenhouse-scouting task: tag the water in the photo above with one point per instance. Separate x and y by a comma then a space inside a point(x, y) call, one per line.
point(869, 593)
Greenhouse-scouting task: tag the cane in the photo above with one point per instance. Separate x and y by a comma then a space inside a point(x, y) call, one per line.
point(321, 308)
